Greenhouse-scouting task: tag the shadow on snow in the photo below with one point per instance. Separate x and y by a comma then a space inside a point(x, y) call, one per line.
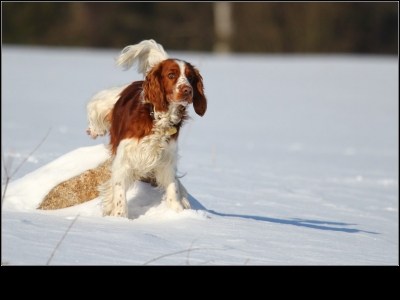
point(322, 225)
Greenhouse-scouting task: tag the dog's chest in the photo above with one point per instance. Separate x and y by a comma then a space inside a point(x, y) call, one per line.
point(152, 152)
point(160, 147)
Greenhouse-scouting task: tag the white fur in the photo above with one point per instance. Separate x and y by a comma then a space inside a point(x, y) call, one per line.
point(146, 54)
point(182, 80)
point(154, 154)
point(99, 107)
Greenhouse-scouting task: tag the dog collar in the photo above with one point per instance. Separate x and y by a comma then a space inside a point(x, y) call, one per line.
point(171, 129)
point(152, 112)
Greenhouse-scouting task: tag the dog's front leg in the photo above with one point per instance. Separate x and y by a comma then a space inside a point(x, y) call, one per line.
point(113, 192)
point(184, 195)
point(120, 206)
point(165, 177)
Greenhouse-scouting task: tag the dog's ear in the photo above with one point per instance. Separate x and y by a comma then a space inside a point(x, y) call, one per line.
point(199, 99)
point(153, 89)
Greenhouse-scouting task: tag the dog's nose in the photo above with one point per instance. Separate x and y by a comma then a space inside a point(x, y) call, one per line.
point(187, 90)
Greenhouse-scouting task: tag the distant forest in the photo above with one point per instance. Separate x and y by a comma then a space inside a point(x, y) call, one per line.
point(256, 27)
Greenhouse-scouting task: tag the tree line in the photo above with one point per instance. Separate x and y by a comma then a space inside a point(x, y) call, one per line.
point(256, 27)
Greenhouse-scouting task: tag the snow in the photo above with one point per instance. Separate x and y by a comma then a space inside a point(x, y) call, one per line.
point(294, 163)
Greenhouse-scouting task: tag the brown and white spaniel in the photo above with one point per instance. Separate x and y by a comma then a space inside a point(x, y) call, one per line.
point(144, 119)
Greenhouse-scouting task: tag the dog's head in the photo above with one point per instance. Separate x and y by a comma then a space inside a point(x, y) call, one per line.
point(175, 81)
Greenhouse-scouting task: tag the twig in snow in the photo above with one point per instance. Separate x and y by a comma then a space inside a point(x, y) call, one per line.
point(63, 237)
point(177, 252)
point(7, 169)
point(187, 257)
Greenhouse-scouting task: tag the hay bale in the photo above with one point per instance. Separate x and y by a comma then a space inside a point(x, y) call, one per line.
point(81, 188)
point(78, 189)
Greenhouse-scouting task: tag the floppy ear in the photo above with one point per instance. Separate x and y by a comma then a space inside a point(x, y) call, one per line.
point(199, 99)
point(154, 90)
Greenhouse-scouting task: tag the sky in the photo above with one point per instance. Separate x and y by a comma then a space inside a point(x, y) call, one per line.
point(294, 163)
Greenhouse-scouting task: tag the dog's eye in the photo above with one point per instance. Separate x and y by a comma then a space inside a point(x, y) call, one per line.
point(171, 75)
point(190, 77)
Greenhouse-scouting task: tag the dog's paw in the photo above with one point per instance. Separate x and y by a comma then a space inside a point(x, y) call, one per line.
point(119, 213)
point(89, 132)
point(106, 211)
point(174, 204)
point(94, 133)
point(172, 197)
point(185, 203)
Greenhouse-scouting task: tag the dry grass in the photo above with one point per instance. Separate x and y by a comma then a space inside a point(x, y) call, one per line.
point(78, 189)
point(81, 188)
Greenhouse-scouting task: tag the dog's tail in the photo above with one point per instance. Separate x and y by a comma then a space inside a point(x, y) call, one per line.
point(146, 54)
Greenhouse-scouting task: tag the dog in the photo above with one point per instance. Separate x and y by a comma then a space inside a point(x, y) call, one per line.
point(143, 120)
